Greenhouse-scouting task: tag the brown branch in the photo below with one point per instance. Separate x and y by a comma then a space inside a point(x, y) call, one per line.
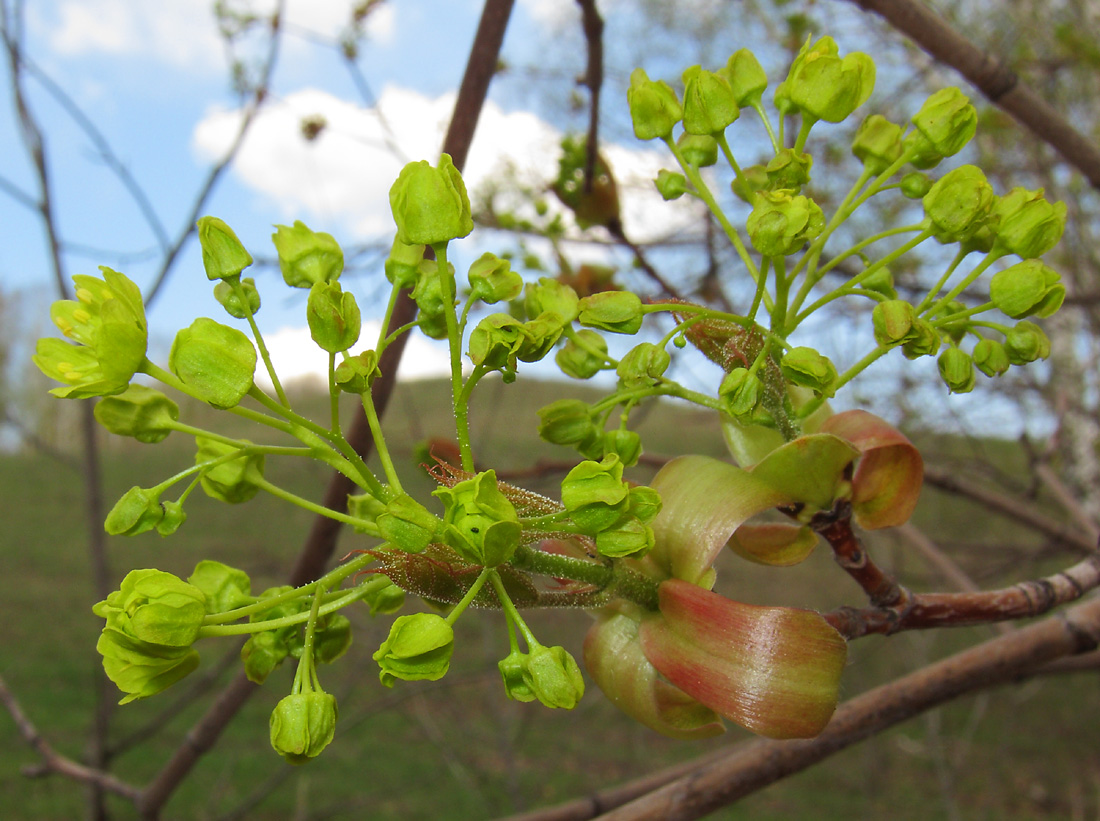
point(321, 541)
point(1009, 507)
point(55, 763)
point(836, 528)
point(593, 78)
point(744, 769)
point(993, 78)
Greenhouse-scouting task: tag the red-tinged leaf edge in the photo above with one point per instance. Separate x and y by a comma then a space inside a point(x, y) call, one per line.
point(890, 471)
point(778, 545)
point(774, 670)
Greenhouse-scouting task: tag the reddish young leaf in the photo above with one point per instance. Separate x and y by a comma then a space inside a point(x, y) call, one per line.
point(778, 545)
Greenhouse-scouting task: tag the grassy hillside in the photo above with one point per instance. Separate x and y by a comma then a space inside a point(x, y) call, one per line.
point(456, 749)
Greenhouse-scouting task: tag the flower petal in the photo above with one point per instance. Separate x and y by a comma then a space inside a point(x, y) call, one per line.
point(774, 670)
point(888, 477)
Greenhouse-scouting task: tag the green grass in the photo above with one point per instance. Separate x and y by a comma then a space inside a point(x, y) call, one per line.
point(456, 749)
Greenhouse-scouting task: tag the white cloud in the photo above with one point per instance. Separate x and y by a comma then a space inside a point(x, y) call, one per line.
point(346, 173)
point(296, 357)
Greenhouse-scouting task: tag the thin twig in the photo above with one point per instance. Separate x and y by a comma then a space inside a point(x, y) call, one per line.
point(55, 763)
point(593, 78)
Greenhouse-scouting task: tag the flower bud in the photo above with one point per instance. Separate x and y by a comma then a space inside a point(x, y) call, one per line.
point(495, 341)
point(654, 108)
point(554, 677)
point(746, 78)
point(749, 182)
point(893, 321)
point(551, 296)
point(617, 311)
point(307, 257)
point(782, 222)
point(881, 281)
point(430, 205)
point(418, 648)
point(958, 204)
point(921, 153)
point(223, 255)
point(643, 365)
point(567, 422)
point(357, 373)
point(174, 516)
point(302, 725)
point(595, 494)
point(709, 104)
point(403, 264)
point(627, 537)
point(877, 143)
point(428, 292)
point(808, 368)
point(626, 444)
point(407, 524)
point(957, 370)
point(1028, 225)
point(915, 185)
point(947, 121)
point(577, 361)
point(538, 337)
point(513, 670)
point(789, 169)
point(233, 481)
point(155, 607)
point(224, 587)
point(956, 328)
point(643, 503)
point(333, 317)
point(493, 280)
point(385, 600)
point(1025, 343)
point(990, 357)
point(479, 522)
point(230, 298)
point(138, 511)
point(262, 654)
point(826, 86)
point(141, 669)
point(215, 361)
point(922, 340)
point(140, 412)
point(1028, 288)
point(332, 637)
point(698, 149)
point(671, 184)
point(740, 392)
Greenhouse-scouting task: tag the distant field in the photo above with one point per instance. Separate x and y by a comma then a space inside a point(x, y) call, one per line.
point(457, 749)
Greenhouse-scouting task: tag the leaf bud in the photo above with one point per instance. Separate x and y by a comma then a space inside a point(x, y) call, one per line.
point(223, 255)
point(233, 481)
point(1025, 343)
point(302, 725)
point(947, 121)
point(307, 257)
point(643, 365)
point(577, 361)
point(214, 361)
point(1028, 225)
point(958, 204)
point(654, 108)
point(230, 298)
point(781, 222)
point(877, 143)
point(493, 280)
point(418, 648)
point(957, 370)
point(143, 413)
point(357, 373)
point(671, 184)
point(430, 205)
point(709, 104)
point(617, 311)
point(746, 78)
point(990, 357)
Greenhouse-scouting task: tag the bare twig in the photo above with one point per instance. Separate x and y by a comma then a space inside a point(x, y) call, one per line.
point(993, 78)
point(593, 78)
point(55, 763)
